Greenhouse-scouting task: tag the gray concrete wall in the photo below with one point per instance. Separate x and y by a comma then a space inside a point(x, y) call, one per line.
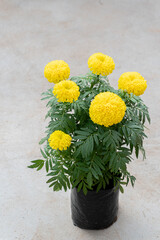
point(34, 32)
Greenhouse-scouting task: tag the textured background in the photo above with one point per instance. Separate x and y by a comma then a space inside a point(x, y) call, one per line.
point(34, 32)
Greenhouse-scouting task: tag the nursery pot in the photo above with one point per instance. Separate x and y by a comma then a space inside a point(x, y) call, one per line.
point(94, 210)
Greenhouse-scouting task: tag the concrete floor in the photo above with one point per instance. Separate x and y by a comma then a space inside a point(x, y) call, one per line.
point(34, 33)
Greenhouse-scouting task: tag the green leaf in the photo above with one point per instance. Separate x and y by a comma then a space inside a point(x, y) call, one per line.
point(79, 187)
point(124, 129)
point(96, 138)
point(148, 118)
point(132, 178)
point(97, 169)
point(99, 187)
point(43, 154)
point(57, 187)
point(37, 164)
point(38, 161)
point(75, 183)
point(84, 189)
point(51, 174)
point(83, 169)
point(83, 133)
point(94, 173)
point(43, 140)
point(62, 182)
point(89, 179)
point(137, 151)
point(111, 161)
point(33, 165)
point(46, 152)
point(50, 163)
point(47, 166)
point(98, 162)
point(40, 166)
point(121, 189)
point(51, 179)
point(52, 184)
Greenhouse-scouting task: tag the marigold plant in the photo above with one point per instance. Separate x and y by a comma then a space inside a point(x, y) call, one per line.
point(93, 128)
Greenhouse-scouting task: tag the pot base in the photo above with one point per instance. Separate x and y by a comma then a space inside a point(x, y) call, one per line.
point(98, 228)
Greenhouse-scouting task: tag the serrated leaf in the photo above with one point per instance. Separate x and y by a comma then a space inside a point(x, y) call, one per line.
point(83, 133)
point(34, 165)
point(96, 139)
point(47, 166)
point(84, 189)
point(98, 162)
point(94, 173)
point(75, 183)
point(137, 151)
point(50, 163)
point(40, 166)
point(97, 169)
point(132, 180)
point(38, 161)
point(99, 187)
point(89, 179)
point(52, 184)
point(51, 179)
point(79, 187)
point(43, 140)
point(57, 187)
point(62, 182)
point(148, 118)
point(121, 189)
point(43, 154)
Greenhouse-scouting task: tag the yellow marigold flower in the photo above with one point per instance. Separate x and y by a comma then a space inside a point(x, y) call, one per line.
point(102, 64)
point(107, 109)
point(59, 140)
point(132, 82)
point(57, 71)
point(66, 91)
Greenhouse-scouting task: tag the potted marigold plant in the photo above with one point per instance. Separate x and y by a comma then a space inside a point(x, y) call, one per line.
point(92, 133)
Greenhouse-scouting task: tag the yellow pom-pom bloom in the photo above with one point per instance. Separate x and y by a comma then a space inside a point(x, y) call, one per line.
point(132, 82)
point(66, 91)
point(57, 71)
point(59, 140)
point(107, 109)
point(102, 64)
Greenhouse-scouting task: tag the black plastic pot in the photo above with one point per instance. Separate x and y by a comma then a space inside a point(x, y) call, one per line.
point(95, 210)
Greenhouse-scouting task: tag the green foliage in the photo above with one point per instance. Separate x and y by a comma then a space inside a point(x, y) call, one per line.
point(97, 155)
point(39, 163)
